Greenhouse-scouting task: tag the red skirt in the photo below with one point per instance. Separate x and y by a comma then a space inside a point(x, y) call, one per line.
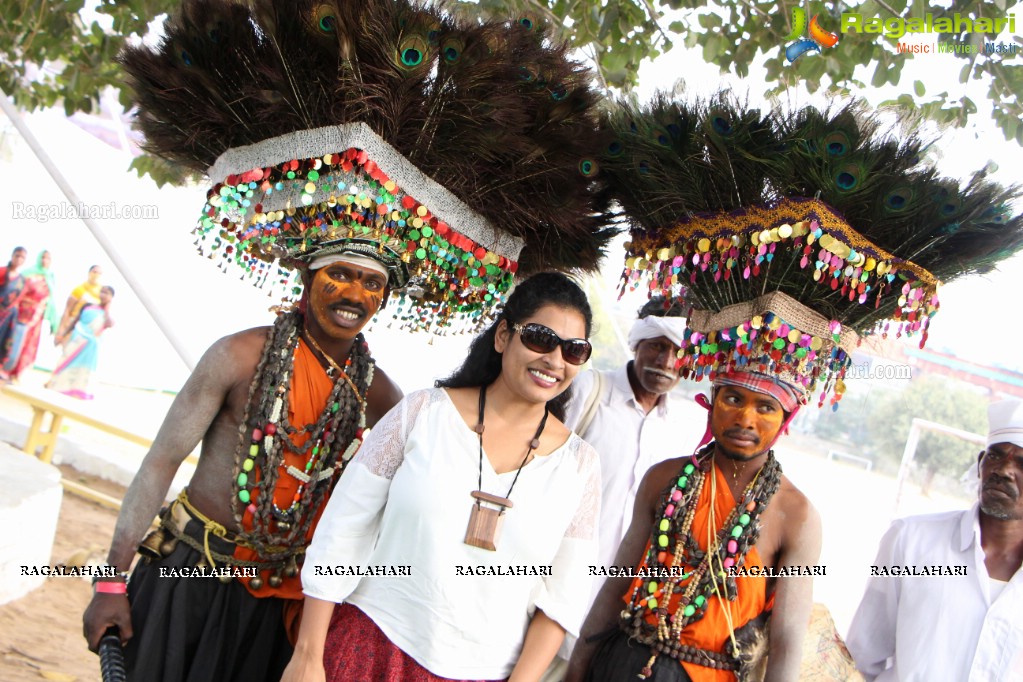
point(357, 650)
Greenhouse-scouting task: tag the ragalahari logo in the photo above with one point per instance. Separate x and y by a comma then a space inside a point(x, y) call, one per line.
point(819, 38)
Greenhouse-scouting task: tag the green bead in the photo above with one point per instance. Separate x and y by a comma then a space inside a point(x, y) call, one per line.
point(737, 531)
point(651, 603)
point(662, 540)
point(335, 407)
point(700, 600)
point(253, 450)
point(651, 587)
point(689, 611)
point(689, 469)
point(683, 482)
point(664, 525)
point(247, 465)
point(316, 450)
point(243, 495)
point(744, 519)
point(243, 479)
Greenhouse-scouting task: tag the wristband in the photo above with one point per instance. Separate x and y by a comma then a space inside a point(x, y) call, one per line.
point(111, 587)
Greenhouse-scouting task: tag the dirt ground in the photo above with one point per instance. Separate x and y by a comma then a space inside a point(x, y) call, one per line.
point(42, 631)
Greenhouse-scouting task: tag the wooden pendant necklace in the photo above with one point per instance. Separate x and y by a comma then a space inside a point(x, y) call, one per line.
point(485, 521)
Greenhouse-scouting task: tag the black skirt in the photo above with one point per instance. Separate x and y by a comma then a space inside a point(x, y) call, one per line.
point(200, 629)
point(618, 659)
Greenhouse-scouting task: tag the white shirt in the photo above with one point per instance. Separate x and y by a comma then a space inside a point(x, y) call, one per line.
point(405, 501)
point(629, 442)
point(938, 628)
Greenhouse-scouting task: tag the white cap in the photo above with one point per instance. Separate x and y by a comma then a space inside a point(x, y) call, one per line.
point(352, 259)
point(1005, 422)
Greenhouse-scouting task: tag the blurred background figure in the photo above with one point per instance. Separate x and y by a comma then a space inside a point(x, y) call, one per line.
point(81, 352)
point(85, 293)
point(12, 283)
point(35, 307)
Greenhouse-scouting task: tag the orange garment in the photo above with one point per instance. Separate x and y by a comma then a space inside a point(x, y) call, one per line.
point(711, 632)
point(310, 389)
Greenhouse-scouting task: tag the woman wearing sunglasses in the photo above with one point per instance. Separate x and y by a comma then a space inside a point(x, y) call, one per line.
point(458, 543)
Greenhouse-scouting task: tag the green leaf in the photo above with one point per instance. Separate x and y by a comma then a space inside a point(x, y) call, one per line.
point(964, 75)
point(918, 88)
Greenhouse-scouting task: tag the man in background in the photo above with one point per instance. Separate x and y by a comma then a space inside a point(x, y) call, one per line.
point(960, 621)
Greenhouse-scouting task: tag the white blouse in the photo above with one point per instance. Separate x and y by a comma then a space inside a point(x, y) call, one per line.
point(391, 541)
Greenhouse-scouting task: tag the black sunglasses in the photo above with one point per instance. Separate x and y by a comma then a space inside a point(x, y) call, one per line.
point(540, 339)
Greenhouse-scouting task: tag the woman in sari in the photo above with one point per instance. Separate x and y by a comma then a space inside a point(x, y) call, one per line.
point(82, 351)
point(35, 307)
point(12, 284)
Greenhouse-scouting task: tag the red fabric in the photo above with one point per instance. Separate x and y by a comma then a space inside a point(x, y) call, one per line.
point(310, 388)
point(711, 631)
point(766, 384)
point(358, 651)
point(31, 311)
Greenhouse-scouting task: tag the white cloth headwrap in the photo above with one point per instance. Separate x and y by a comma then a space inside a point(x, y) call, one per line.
point(652, 327)
point(1005, 422)
point(352, 258)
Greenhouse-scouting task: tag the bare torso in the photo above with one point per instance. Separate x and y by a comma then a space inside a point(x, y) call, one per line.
point(211, 489)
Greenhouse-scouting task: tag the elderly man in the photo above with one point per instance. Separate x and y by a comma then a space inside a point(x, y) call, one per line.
point(628, 415)
point(960, 620)
point(727, 506)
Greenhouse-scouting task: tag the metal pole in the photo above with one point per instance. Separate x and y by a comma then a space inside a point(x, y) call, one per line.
point(913, 440)
point(105, 244)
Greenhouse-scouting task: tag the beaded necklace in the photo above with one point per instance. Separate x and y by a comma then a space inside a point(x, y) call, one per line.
point(679, 567)
point(277, 533)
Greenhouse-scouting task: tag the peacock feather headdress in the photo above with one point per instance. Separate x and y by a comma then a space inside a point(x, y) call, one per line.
point(456, 151)
point(790, 235)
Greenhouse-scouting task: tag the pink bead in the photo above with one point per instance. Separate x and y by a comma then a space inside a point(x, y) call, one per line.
point(733, 546)
point(729, 562)
point(257, 435)
point(676, 495)
point(251, 509)
point(669, 510)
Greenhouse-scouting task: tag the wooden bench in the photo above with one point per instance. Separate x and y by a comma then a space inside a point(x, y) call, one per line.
point(43, 433)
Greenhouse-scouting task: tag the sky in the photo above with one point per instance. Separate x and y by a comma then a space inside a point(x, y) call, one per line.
point(199, 304)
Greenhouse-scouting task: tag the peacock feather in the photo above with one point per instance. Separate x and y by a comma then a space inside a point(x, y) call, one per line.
point(494, 111)
point(830, 209)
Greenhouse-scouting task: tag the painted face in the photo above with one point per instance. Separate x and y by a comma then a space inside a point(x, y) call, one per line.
point(744, 423)
point(1001, 482)
point(94, 274)
point(654, 365)
point(343, 297)
point(539, 377)
point(18, 258)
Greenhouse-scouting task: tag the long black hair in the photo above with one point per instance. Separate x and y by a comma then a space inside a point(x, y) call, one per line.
point(483, 364)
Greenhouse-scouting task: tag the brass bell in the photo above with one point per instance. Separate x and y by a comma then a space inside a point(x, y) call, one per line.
point(202, 564)
point(167, 548)
point(275, 580)
point(225, 578)
point(150, 546)
point(256, 583)
point(291, 570)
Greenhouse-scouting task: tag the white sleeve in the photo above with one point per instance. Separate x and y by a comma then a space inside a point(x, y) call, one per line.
point(581, 389)
point(871, 639)
point(348, 529)
point(565, 595)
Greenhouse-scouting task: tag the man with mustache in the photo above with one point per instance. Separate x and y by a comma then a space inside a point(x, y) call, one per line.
point(721, 519)
point(936, 623)
point(307, 381)
point(630, 418)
